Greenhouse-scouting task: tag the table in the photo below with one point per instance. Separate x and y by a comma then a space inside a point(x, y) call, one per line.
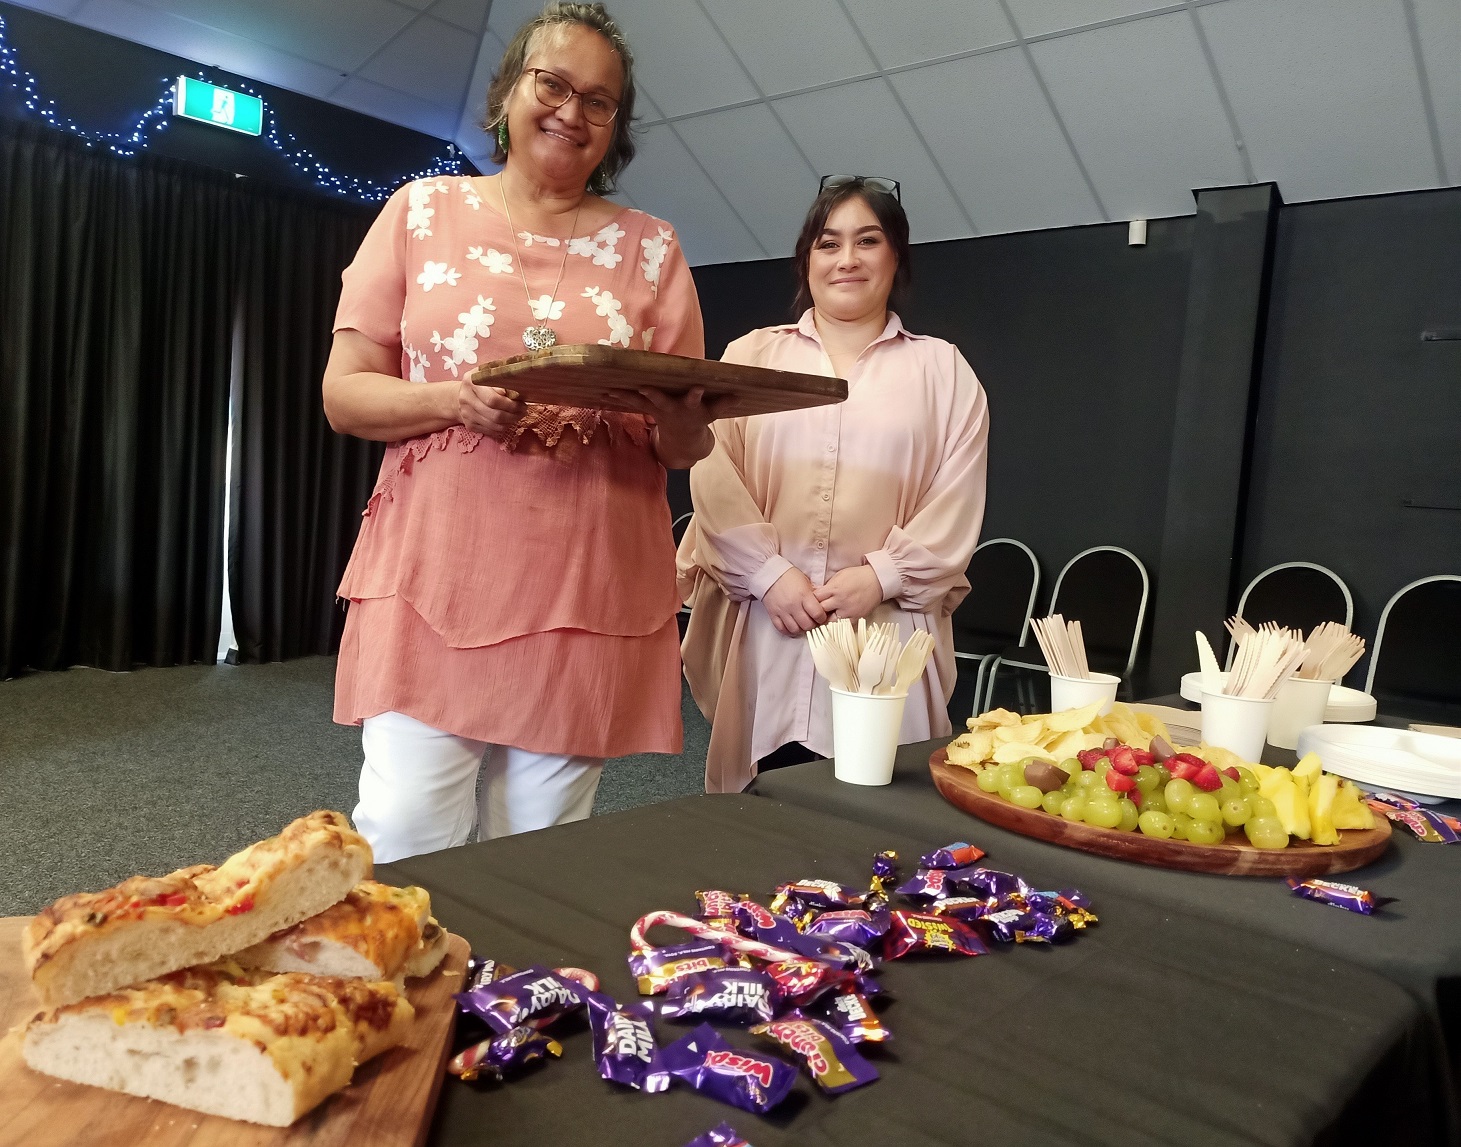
point(1151, 1027)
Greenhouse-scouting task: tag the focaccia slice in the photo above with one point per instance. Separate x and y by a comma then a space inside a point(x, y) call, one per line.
point(94, 942)
point(223, 1040)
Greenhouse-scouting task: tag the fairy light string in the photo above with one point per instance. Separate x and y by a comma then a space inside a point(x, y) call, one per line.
point(129, 142)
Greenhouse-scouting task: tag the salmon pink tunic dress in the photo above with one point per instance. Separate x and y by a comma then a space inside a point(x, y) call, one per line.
point(520, 593)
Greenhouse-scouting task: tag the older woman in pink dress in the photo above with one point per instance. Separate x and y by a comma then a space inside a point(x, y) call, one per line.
point(512, 592)
point(866, 509)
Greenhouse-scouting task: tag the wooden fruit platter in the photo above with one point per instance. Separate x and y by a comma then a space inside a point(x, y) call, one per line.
point(389, 1104)
point(593, 376)
point(1232, 858)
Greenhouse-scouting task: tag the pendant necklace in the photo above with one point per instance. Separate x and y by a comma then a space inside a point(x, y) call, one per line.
point(540, 336)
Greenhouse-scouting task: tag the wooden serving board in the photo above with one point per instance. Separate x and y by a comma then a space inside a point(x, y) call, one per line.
point(389, 1103)
point(595, 376)
point(1233, 858)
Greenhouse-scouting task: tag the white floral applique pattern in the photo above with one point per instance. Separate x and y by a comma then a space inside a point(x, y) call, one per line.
point(418, 206)
point(648, 336)
point(620, 331)
point(419, 362)
point(600, 248)
point(527, 239)
point(469, 193)
point(546, 307)
point(437, 275)
point(655, 251)
point(497, 262)
point(461, 345)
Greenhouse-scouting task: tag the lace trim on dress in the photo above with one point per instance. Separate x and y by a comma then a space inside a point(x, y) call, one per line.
point(547, 424)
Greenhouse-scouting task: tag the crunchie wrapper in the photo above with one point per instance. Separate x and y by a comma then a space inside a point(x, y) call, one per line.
point(704, 1060)
point(829, 1057)
point(1345, 896)
point(623, 1041)
point(533, 995)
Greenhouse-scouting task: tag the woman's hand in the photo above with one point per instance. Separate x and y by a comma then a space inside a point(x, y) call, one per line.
point(792, 603)
point(852, 593)
point(488, 410)
point(682, 425)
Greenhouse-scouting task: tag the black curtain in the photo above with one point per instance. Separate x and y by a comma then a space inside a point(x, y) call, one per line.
point(117, 284)
point(298, 488)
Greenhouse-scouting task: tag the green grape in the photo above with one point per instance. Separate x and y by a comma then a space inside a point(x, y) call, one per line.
point(1230, 789)
point(1203, 806)
point(1147, 778)
point(1181, 824)
point(1247, 780)
point(1089, 780)
point(1053, 802)
point(1178, 792)
point(1165, 773)
point(1074, 808)
point(1154, 801)
point(1206, 832)
point(1103, 766)
point(1236, 811)
point(1262, 807)
point(1026, 796)
point(1008, 782)
point(988, 780)
point(1071, 765)
point(1157, 824)
point(1266, 832)
point(1103, 812)
point(1130, 815)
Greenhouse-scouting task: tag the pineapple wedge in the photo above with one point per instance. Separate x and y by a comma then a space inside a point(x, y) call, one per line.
point(1287, 796)
point(1309, 768)
point(1321, 809)
point(1350, 809)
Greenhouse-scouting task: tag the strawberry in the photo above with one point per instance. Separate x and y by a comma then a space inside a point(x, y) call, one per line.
point(1143, 757)
point(1123, 760)
point(1089, 757)
point(1232, 771)
point(1186, 766)
point(1208, 779)
point(1135, 796)
point(1119, 782)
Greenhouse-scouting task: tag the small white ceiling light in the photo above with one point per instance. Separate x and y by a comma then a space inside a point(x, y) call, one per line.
point(1136, 233)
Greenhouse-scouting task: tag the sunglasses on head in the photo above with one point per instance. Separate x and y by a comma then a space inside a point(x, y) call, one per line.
point(876, 182)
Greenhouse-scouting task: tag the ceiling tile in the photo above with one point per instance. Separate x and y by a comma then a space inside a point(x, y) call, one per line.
point(822, 47)
point(505, 17)
point(1003, 151)
point(1439, 23)
point(1037, 17)
point(906, 33)
point(470, 15)
point(430, 60)
point(665, 181)
point(1325, 93)
point(858, 129)
point(419, 5)
point(396, 107)
point(1139, 101)
point(62, 8)
point(757, 167)
point(208, 46)
point(313, 29)
point(469, 135)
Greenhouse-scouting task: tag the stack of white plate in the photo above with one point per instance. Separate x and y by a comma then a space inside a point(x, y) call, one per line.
point(1345, 705)
point(1399, 760)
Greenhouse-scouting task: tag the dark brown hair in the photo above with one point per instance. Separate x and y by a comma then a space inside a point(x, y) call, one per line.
point(597, 19)
point(889, 212)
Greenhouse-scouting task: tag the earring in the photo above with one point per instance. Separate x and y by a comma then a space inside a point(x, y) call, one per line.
point(502, 135)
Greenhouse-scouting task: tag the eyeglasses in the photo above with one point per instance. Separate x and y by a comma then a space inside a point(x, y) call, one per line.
point(876, 182)
point(554, 91)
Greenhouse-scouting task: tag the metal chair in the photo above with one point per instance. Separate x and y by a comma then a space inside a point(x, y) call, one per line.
point(1107, 589)
point(1420, 634)
point(1004, 579)
point(1297, 594)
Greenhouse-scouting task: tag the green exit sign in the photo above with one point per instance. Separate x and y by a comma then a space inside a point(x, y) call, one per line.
point(207, 103)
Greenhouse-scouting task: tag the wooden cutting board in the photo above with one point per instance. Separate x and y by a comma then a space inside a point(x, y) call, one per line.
point(1233, 858)
point(389, 1103)
point(590, 375)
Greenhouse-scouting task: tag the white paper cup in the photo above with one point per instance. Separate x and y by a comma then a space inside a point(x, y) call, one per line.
point(1299, 704)
point(1238, 724)
point(1075, 692)
point(865, 736)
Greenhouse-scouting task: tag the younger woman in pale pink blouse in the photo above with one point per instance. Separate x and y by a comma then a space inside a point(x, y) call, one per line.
point(870, 508)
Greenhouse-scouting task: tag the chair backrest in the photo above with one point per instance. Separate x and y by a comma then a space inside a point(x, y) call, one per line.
point(1419, 637)
point(679, 526)
point(1004, 577)
point(1105, 588)
point(1297, 594)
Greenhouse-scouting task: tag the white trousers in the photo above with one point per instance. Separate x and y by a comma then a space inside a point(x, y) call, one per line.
point(419, 790)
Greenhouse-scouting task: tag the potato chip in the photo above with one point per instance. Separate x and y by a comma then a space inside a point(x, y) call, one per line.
point(963, 755)
point(1019, 751)
point(1152, 726)
point(1067, 745)
point(993, 718)
point(1021, 734)
point(1072, 719)
point(981, 744)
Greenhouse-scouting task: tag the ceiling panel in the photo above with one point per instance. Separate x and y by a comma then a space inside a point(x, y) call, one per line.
point(1325, 93)
point(1140, 104)
point(827, 47)
point(396, 107)
point(504, 17)
point(309, 28)
point(754, 162)
point(907, 33)
point(1036, 17)
point(680, 57)
point(430, 59)
point(858, 129)
point(665, 181)
point(419, 5)
point(987, 120)
point(208, 46)
point(61, 8)
point(469, 136)
point(1439, 23)
point(470, 15)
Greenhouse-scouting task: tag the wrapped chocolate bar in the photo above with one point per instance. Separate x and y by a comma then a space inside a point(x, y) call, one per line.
point(1070, 905)
point(715, 908)
point(922, 932)
point(722, 1135)
point(624, 1044)
point(965, 908)
point(853, 925)
point(730, 995)
point(799, 982)
point(1425, 824)
point(885, 874)
point(481, 970)
point(978, 881)
point(759, 923)
point(656, 969)
point(927, 884)
point(1023, 926)
point(960, 854)
point(1345, 896)
point(505, 1055)
point(704, 1060)
point(534, 994)
point(822, 895)
point(829, 1056)
point(853, 1016)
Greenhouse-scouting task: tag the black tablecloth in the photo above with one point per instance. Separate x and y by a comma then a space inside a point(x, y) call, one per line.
point(1152, 1027)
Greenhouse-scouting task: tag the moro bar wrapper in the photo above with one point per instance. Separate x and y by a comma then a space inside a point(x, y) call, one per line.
point(827, 1054)
point(704, 1060)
